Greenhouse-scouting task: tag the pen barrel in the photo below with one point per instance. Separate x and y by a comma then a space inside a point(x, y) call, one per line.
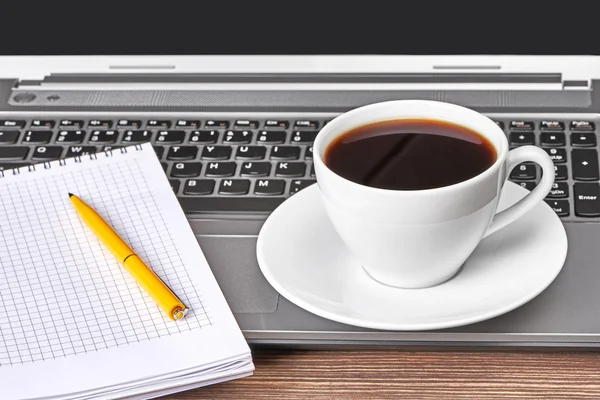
point(103, 231)
point(145, 277)
point(154, 286)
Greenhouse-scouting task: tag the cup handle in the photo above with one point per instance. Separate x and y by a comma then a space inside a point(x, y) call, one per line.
point(516, 157)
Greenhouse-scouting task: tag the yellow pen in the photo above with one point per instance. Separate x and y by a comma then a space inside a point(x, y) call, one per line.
point(147, 279)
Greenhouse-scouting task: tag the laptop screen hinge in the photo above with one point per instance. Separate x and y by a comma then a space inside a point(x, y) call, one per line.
point(577, 84)
point(304, 81)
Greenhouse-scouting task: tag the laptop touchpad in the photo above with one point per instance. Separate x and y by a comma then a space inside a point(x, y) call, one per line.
point(233, 262)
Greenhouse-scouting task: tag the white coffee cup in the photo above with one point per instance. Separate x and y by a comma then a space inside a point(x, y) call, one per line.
point(420, 238)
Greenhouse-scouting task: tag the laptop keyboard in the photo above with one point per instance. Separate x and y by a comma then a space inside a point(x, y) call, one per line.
point(253, 165)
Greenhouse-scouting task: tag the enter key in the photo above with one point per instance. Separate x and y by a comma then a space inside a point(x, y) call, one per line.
point(587, 199)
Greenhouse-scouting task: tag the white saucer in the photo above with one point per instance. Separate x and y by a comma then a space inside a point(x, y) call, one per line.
point(303, 258)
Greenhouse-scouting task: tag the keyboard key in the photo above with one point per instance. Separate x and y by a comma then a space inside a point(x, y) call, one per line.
point(80, 151)
point(47, 152)
point(500, 124)
point(164, 166)
point(70, 123)
point(528, 185)
point(186, 170)
point(269, 187)
point(235, 187)
point(159, 150)
point(217, 124)
point(585, 165)
point(13, 153)
point(12, 123)
point(255, 169)
point(552, 126)
point(587, 202)
point(271, 137)
point(109, 148)
point(100, 123)
point(137, 136)
point(263, 204)
point(521, 125)
point(186, 123)
point(309, 153)
point(251, 153)
point(129, 123)
point(523, 172)
point(7, 137)
point(247, 124)
point(560, 172)
point(298, 185)
point(306, 124)
point(582, 126)
point(237, 137)
point(553, 138)
point(560, 207)
point(290, 169)
point(38, 136)
point(6, 166)
point(277, 124)
point(182, 153)
point(557, 155)
point(216, 152)
point(583, 139)
point(104, 136)
point(42, 123)
point(159, 123)
point(285, 153)
point(174, 185)
point(199, 187)
point(70, 136)
point(303, 137)
point(312, 171)
point(559, 190)
point(204, 137)
point(220, 169)
point(522, 138)
point(170, 136)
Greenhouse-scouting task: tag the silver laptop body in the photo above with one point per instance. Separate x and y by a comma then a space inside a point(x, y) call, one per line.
point(198, 95)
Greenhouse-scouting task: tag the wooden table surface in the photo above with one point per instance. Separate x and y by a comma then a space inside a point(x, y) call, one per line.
point(381, 374)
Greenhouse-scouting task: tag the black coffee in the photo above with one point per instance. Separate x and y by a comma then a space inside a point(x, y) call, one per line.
point(409, 154)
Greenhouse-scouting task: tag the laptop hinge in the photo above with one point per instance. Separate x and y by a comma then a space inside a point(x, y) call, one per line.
point(577, 84)
point(305, 81)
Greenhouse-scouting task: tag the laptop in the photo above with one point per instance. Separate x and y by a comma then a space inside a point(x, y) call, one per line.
point(234, 135)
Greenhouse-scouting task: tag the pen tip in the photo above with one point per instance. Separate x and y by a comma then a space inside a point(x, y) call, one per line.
point(71, 194)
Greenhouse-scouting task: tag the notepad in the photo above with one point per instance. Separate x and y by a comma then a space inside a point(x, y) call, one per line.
point(73, 323)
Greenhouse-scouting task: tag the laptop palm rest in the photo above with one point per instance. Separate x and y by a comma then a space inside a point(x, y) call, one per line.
point(233, 262)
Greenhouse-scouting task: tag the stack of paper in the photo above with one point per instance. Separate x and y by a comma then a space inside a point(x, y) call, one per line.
point(73, 323)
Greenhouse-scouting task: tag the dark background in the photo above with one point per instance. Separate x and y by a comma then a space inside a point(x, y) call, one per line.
point(296, 27)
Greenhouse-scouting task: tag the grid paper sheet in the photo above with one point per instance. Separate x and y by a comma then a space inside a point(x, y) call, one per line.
point(61, 292)
point(73, 323)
